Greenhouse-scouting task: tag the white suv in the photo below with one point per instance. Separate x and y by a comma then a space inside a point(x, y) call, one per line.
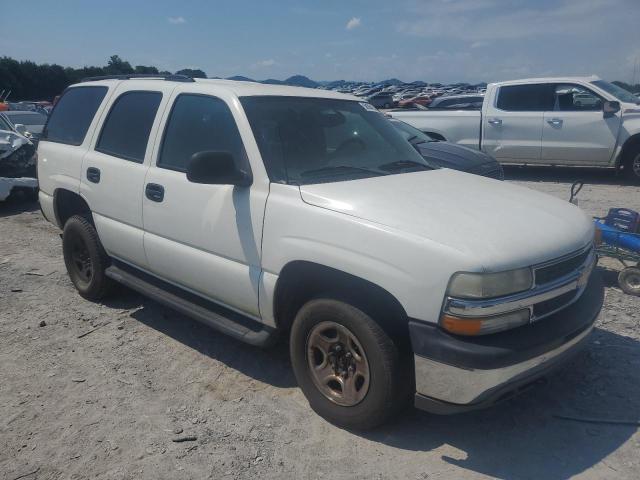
point(264, 210)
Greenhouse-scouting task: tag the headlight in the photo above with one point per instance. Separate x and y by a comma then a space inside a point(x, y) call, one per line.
point(479, 287)
point(489, 285)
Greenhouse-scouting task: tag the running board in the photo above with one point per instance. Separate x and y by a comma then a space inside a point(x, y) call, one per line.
point(211, 314)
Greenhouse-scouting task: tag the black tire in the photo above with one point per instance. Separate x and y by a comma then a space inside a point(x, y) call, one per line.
point(629, 280)
point(85, 258)
point(387, 385)
point(631, 165)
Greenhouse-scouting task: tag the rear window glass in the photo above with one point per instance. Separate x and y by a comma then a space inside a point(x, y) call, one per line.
point(72, 115)
point(125, 133)
point(526, 98)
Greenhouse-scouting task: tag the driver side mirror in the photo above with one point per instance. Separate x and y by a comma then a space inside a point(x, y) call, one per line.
point(20, 128)
point(217, 168)
point(610, 108)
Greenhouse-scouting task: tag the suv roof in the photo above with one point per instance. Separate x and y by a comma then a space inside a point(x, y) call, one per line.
point(239, 88)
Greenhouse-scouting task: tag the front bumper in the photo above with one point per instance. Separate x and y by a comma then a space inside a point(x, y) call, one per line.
point(456, 373)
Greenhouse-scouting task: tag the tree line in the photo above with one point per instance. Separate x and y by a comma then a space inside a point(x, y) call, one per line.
point(28, 80)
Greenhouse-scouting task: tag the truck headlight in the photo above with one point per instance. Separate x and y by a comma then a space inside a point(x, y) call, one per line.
point(490, 285)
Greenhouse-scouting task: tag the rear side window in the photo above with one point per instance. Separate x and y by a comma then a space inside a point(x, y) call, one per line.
point(198, 123)
point(526, 98)
point(72, 115)
point(125, 133)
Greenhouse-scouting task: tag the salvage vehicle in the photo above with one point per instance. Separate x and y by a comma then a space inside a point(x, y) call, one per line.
point(17, 162)
point(29, 123)
point(449, 155)
point(579, 121)
point(270, 210)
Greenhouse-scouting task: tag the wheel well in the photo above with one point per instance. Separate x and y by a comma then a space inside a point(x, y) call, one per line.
point(300, 281)
point(66, 204)
point(632, 144)
point(436, 136)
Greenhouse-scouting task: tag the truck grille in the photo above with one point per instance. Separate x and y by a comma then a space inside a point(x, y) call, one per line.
point(554, 271)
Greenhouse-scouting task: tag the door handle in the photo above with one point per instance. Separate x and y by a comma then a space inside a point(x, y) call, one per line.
point(495, 121)
point(93, 175)
point(556, 122)
point(154, 192)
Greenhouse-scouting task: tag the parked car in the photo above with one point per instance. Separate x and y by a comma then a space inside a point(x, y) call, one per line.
point(266, 210)
point(546, 121)
point(449, 155)
point(28, 123)
point(381, 100)
point(457, 102)
point(423, 100)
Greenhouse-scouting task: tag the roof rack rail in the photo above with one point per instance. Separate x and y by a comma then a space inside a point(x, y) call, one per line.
point(129, 76)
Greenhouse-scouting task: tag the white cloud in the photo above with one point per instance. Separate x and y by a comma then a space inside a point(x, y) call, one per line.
point(355, 22)
point(176, 20)
point(479, 44)
point(486, 20)
point(265, 63)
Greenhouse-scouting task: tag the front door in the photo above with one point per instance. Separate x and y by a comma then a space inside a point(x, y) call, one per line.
point(204, 238)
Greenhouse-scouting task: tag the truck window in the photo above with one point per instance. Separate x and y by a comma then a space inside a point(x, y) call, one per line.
point(198, 123)
point(575, 98)
point(125, 133)
point(526, 98)
point(72, 115)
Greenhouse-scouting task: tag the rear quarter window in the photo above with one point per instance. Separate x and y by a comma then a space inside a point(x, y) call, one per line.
point(72, 115)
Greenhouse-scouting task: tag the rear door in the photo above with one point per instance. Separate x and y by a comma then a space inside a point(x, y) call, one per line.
point(575, 131)
point(512, 124)
point(205, 238)
point(116, 163)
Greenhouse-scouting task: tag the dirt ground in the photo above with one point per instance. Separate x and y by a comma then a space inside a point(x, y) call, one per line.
point(104, 390)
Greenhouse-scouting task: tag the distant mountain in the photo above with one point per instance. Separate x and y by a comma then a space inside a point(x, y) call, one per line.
point(240, 78)
point(301, 81)
point(272, 81)
point(392, 81)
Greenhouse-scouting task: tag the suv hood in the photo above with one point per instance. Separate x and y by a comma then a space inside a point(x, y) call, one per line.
point(498, 225)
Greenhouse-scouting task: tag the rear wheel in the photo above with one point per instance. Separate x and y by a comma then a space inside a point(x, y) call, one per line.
point(632, 166)
point(346, 365)
point(629, 280)
point(85, 258)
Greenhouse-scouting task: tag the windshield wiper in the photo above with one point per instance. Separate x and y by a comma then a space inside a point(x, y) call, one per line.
point(405, 164)
point(338, 169)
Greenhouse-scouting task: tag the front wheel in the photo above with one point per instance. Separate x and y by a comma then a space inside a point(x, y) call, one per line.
point(346, 365)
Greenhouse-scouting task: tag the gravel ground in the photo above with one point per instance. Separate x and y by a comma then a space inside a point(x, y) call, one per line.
point(106, 390)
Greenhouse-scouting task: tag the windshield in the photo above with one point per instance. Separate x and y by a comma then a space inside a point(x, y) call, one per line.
point(27, 118)
point(618, 92)
point(316, 140)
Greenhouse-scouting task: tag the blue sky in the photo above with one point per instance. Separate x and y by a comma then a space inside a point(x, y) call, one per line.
point(432, 40)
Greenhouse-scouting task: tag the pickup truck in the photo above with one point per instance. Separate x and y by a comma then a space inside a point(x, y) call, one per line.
point(578, 121)
point(271, 211)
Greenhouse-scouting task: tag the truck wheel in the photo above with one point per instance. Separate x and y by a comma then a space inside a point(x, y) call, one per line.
point(346, 365)
point(85, 258)
point(632, 166)
point(629, 280)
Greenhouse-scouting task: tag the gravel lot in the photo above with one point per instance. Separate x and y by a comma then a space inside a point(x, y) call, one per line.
point(104, 390)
